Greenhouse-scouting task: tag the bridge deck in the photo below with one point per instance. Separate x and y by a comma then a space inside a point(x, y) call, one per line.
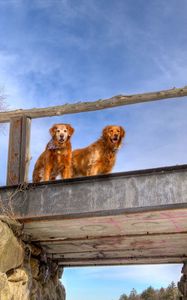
point(124, 218)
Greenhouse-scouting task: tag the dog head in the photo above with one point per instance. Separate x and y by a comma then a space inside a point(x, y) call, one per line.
point(113, 135)
point(61, 132)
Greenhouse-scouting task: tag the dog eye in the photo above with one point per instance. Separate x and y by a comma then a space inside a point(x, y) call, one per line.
point(58, 130)
point(111, 130)
point(65, 130)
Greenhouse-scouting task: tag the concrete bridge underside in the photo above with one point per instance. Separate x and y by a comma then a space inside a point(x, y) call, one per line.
point(137, 217)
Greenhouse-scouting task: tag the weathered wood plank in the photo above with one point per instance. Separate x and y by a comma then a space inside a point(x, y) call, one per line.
point(122, 261)
point(18, 154)
point(118, 100)
point(164, 244)
point(114, 255)
point(167, 222)
point(109, 254)
point(14, 152)
point(146, 237)
point(25, 149)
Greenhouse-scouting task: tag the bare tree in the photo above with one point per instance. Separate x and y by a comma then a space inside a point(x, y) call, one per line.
point(3, 105)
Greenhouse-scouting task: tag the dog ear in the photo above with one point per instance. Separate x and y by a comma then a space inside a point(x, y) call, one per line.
point(52, 130)
point(105, 131)
point(122, 132)
point(70, 130)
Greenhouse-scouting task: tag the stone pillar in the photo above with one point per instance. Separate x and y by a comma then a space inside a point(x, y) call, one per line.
point(182, 284)
point(26, 273)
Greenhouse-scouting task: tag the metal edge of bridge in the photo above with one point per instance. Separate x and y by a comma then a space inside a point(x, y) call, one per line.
point(22, 191)
point(151, 171)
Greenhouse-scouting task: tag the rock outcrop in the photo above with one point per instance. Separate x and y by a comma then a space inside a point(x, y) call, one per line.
point(11, 250)
point(26, 273)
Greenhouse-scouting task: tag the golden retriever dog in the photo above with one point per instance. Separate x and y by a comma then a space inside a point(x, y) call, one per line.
point(57, 157)
point(99, 157)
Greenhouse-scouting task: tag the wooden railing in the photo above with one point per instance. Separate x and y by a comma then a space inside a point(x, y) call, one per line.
point(20, 122)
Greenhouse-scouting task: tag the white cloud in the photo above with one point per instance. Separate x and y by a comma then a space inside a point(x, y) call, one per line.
point(34, 76)
point(27, 71)
point(36, 71)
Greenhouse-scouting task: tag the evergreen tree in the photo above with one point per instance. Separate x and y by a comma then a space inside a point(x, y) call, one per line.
point(149, 294)
point(133, 295)
point(171, 292)
point(161, 294)
point(124, 297)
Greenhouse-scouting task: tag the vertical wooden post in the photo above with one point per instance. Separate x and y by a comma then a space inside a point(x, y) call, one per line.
point(14, 151)
point(25, 149)
point(18, 153)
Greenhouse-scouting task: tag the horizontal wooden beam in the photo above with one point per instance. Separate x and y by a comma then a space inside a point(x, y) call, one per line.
point(123, 261)
point(102, 238)
point(118, 100)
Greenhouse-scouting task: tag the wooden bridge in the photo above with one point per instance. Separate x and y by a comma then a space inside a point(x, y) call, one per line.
point(124, 218)
point(134, 217)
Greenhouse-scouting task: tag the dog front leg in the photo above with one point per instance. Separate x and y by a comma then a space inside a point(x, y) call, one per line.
point(47, 172)
point(92, 170)
point(52, 177)
point(66, 172)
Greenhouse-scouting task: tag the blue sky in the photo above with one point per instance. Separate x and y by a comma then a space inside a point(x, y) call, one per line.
point(63, 51)
point(111, 282)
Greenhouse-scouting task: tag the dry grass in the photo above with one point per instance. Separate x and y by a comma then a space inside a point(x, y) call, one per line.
point(7, 213)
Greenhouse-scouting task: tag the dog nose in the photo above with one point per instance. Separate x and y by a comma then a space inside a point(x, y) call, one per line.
point(61, 135)
point(115, 135)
